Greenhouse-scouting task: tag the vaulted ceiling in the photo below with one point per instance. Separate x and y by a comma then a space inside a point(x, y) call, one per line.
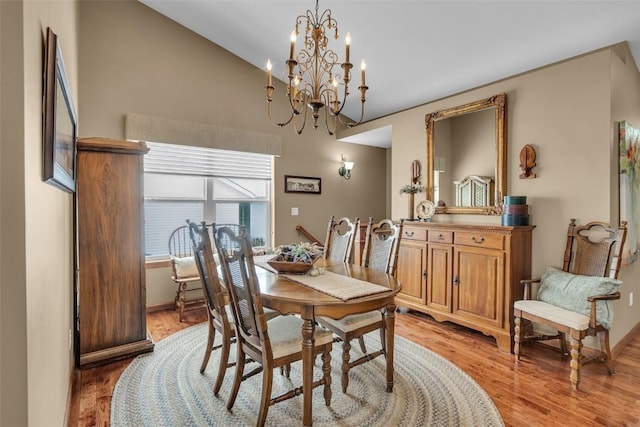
point(418, 51)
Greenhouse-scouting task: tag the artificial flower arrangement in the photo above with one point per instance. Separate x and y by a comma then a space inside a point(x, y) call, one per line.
point(412, 189)
point(296, 258)
point(298, 252)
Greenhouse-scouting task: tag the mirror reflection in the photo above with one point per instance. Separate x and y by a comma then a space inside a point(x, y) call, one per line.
point(466, 149)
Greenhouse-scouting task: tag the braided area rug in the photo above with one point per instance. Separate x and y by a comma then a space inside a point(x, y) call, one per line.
point(165, 388)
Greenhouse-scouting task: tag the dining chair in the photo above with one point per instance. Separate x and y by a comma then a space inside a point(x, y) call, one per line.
point(219, 315)
point(184, 270)
point(339, 240)
point(576, 301)
point(380, 253)
point(271, 343)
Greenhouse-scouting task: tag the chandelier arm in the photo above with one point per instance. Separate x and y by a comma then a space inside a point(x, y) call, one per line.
point(353, 123)
point(280, 124)
point(331, 131)
point(270, 90)
point(326, 108)
point(303, 120)
point(344, 101)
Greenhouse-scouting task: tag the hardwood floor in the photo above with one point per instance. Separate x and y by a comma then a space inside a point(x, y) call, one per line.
point(535, 391)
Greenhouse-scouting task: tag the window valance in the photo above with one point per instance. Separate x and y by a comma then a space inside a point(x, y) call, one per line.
point(149, 128)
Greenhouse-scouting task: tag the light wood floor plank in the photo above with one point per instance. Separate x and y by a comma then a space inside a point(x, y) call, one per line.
point(535, 391)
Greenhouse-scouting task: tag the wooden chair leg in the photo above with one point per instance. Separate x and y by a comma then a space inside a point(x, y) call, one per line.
point(362, 346)
point(210, 341)
point(383, 338)
point(267, 378)
point(176, 299)
point(606, 350)
point(182, 300)
point(576, 353)
point(224, 363)
point(563, 343)
point(517, 337)
point(326, 371)
point(237, 379)
point(346, 348)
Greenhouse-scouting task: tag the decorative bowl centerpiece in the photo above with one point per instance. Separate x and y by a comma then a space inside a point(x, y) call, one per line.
point(295, 259)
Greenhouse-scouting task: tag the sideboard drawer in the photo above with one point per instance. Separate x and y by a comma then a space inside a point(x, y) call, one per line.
point(410, 233)
point(485, 240)
point(437, 236)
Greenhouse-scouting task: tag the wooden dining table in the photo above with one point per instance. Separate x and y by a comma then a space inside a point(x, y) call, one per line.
point(287, 296)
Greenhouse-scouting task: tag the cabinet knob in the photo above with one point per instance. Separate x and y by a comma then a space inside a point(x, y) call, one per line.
point(424, 273)
point(409, 234)
point(440, 237)
point(480, 240)
point(456, 281)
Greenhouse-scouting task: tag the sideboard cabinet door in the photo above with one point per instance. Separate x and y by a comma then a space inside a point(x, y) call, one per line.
point(411, 270)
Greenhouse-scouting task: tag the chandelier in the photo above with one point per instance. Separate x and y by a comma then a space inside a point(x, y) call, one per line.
point(315, 79)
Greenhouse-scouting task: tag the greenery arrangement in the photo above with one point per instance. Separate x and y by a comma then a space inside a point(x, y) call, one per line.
point(412, 189)
point(299, 252)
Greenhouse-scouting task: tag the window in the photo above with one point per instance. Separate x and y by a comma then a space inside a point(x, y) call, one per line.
point(204, 184)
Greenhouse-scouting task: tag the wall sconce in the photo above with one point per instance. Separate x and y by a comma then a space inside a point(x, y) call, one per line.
point(345, 170)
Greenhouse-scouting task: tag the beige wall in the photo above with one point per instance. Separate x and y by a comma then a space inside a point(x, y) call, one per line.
point(37, 233)
point(134, 60)
point(566, 111)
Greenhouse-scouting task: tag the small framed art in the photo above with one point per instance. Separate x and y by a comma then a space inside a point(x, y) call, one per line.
point(302, 184)
point(59, 130)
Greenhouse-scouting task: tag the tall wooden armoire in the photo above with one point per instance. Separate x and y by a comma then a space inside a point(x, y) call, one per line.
point(110, 290)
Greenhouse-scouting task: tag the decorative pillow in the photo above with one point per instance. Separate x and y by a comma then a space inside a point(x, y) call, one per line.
point(570, 291)
point(185, 267)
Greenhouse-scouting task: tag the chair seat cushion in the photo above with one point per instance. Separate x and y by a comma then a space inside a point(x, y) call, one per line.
point(570, 291)
point(285, 333)
point(554, 313)
point(185, 267)
point(354, 321)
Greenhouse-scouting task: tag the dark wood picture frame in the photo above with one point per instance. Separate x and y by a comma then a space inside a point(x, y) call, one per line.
point(59, 130)
point(302, 184)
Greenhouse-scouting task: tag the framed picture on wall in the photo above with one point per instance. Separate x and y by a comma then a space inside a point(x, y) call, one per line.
point(302, 184)
point(59, 130)
point(628, 142)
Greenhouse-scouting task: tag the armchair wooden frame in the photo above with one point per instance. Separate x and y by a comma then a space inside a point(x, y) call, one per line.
point(582, 256)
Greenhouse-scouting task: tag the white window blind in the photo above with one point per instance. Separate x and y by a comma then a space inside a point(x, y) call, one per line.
point(211, 162)
point(204, 184)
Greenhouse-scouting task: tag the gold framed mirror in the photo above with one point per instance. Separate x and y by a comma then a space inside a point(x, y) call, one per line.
point(485, 143)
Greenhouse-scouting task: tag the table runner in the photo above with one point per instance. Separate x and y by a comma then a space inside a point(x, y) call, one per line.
point(333, 284)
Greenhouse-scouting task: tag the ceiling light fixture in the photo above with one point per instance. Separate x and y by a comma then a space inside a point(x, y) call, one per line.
point(312, 79)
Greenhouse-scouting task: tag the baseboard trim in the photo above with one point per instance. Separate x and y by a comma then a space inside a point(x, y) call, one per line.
point(160, 307)
point(624, 342)
point(191, 304)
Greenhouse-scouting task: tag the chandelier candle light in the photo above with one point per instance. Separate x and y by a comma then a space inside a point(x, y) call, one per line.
point(312, 80)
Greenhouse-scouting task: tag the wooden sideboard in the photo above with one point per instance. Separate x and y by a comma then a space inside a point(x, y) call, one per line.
point(466, 274)
point(110, 290)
